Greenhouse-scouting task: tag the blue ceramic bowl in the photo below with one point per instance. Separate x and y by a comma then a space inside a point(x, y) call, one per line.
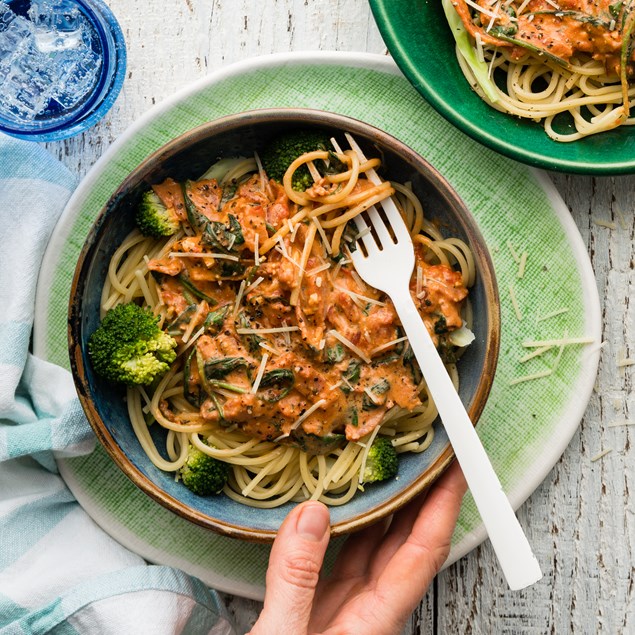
point(190, 155)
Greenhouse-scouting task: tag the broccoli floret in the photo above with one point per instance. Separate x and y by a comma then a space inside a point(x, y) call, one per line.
point(284, 150)
point(129, 347)
point(154, 218)
point(382, 461)
point(203, 474)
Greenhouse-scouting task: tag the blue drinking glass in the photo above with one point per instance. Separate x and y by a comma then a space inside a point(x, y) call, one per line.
point(62, 65)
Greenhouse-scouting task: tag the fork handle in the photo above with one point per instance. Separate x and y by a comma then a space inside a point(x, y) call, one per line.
point(519, 565)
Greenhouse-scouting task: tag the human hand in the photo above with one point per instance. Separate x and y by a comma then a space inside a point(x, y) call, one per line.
point(381, 573)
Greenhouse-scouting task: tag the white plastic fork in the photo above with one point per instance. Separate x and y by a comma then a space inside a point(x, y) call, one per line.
point(388, 266)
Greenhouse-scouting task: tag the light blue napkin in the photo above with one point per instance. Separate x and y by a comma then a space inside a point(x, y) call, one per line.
point(59, 572)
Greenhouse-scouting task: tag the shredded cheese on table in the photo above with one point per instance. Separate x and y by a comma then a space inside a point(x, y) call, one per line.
point(566, 341)
point(601, 454)
point(515, 305)
point(619, 424)
point(605, 223)
point(536, 353)
point(513, 252)
point(538, 375)
point(522, 265)
point(552, 314)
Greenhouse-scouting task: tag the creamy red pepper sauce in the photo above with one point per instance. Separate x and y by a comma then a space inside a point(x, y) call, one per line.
point(562, 28)
point(307, 365)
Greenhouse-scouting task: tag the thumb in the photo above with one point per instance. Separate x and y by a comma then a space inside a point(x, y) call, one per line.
point(294, 570)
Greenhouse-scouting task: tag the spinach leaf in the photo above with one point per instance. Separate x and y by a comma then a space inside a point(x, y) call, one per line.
point(181, 320)
point(215, 319)
point(197, 220)
point(194, 290)
point(351, 375)
point(220, 367)
point(276, 384)
point(335, 354)
point(223, 238)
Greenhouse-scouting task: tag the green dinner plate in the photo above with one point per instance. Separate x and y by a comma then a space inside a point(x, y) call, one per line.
point(418, 37)
point(525, 426)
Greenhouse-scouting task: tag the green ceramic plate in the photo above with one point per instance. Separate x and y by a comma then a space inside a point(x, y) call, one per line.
point(418, 37)
point(525, 427)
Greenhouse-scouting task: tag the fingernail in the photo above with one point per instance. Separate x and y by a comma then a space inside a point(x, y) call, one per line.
point(313, 522)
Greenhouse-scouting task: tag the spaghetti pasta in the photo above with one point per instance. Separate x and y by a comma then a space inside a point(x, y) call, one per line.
point(288, 365)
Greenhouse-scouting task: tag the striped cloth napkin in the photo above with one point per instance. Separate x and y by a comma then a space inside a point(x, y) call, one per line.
point(59, 572)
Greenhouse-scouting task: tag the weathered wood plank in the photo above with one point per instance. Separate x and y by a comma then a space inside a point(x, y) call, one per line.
point(581, 521)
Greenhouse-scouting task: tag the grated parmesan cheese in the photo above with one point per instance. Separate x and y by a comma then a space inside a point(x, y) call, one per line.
point(285, 334)
point(601, 454)
point(552, 314)
point(371, 396)
point(186, 254)
point(513, 252)
point(605, 223)
point(308, 413)
point(277, 329)
point(256, 249)
point(190, 327)
point(239, 297)
point(480, 9)
point(269, 348)
point(254, 284)
point(568, 341)
point(620, 217)
point(360, 283)
point(522, 264)
point(191, 340)
point(260, 373)
point(349, 345)
point(619, 424)
point(537, 353)
point(515, 305)
point(319, 269)
point(387, 345)
point(538, 375)
point(359, 296)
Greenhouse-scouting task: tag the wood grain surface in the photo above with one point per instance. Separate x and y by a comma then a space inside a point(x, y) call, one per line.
point(581, 520)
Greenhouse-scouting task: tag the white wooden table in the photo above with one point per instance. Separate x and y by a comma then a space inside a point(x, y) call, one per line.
point(581, 521)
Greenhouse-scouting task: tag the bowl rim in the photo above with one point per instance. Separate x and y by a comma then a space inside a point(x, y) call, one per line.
point(213, 128)
point(558, 158)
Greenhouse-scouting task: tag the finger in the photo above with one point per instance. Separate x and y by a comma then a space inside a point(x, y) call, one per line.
point(349, 574)
point(356, 554)
point(403, 523)
point(423, 552)
point(294, 569)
